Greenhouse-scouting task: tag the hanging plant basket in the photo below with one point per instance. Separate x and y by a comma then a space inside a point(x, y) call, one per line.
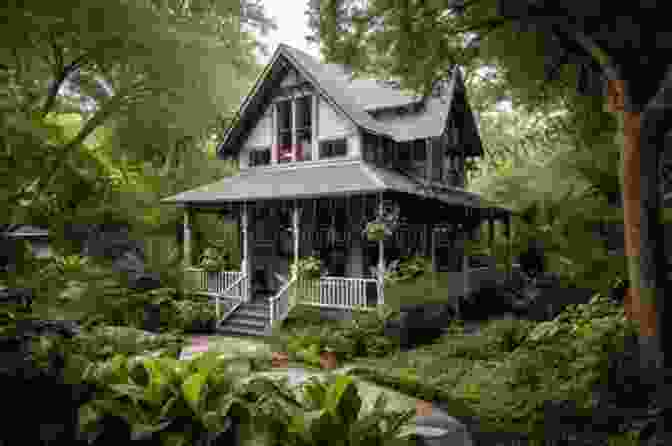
point(376, 231)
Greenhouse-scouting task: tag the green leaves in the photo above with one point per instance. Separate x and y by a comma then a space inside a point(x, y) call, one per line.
point(193, 389)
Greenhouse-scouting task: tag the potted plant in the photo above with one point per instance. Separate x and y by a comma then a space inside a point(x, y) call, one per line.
point(279, 347)
point(307, 268)
point(375, 231)
point(330, 346)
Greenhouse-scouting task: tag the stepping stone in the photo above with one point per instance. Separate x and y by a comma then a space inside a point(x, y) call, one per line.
point(440, 429)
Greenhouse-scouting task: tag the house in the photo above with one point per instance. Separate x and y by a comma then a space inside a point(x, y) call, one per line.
point(321, 154)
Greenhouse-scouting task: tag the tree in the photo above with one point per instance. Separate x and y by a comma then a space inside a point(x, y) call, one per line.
point(132, 62)
point(534, 42)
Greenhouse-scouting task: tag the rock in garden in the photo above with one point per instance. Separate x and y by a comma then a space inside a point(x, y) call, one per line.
point(419, 324)
point(440, 429)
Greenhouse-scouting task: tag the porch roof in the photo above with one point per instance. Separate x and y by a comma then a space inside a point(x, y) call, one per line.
point(315, 179)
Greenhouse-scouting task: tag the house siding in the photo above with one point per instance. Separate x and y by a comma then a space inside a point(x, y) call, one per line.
point(332, 124)
point(262, 133)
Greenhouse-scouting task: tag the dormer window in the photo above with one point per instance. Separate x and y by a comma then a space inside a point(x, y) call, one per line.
point(304, 122)
point(294, 138)
point(284, 125)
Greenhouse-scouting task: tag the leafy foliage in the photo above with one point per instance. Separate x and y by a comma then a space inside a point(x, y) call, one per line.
point(511, 371)
point(307, 268)
point(165, 399)
point(332, 416)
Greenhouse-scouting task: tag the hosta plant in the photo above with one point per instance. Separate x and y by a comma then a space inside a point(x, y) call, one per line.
point(332, 416)
point(171, 401)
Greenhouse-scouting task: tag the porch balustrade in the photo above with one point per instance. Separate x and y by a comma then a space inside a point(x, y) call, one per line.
point(280, 303)
point(218, 281)
point(336, 292)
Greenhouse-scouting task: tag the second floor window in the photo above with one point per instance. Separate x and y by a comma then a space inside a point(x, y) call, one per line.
point(284, 125)
point(303, 124)
point(330, 149)
point(260, 157)
point(301, 139)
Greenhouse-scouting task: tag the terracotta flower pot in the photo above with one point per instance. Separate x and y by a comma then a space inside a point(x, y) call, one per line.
point(328, 360)
point(280, 360)
point(423, 408)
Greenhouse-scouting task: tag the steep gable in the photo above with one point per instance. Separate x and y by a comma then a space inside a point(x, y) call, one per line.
point(352, 103)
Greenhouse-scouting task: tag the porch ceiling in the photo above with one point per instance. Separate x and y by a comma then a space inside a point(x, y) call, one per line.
point(316, 179)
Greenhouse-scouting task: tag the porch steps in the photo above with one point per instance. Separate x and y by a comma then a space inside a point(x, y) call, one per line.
point(250, 319)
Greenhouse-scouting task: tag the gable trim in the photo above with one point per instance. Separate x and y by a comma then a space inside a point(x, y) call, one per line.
point(263, 78)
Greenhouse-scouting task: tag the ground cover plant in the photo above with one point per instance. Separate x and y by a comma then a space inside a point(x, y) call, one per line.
point(513, 371)
point(305, 335)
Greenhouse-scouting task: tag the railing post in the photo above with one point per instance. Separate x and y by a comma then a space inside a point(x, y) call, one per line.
point(245, 263)
point(188, 216)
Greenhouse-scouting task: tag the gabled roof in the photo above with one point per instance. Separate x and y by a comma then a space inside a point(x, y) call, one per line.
point(355, 98)
point(326, 178)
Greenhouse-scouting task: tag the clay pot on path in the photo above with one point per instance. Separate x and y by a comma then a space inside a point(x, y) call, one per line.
point(280, 360)
point(328, 360)
point(423, 408)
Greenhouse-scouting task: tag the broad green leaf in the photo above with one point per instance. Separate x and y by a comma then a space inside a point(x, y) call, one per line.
point(89, 417)
point(143, 431)
point(343, 399)
point(136, 393)
point(175, 438)
point(192, 389)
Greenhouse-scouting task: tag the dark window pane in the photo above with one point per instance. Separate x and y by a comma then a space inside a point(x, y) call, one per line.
point(388, 151)
point(325, 149)
point(340, 148)
point(303, 112)
point(419, 151)
point(404, 152)
point(284, 115)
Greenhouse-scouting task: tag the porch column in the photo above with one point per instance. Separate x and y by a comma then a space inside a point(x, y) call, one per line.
point(297, 234)
point(491, 232)
point(434, 239)
point(466, 236)
point(188, 220)
point(245, 264)
point(381, 256)
point(507, 234)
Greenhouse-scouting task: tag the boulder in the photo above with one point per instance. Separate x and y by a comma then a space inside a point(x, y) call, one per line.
point(440, 429)
point(419, 324)
point(32, 418)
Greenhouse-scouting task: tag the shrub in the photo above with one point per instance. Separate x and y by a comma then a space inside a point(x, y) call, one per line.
point(195, 316)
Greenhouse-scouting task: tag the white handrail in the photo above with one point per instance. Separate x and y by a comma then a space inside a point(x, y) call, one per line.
point(226, 293)
point(279, 307)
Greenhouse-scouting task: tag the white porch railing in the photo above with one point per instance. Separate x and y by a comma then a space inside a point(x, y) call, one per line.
point(280, 305)
point(219, 281)
point(236, 292)
point(337, 292)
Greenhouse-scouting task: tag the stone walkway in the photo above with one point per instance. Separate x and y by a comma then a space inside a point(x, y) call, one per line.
point(438, 429)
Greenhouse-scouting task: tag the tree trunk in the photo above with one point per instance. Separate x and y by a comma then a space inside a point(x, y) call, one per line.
point(641, 207)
